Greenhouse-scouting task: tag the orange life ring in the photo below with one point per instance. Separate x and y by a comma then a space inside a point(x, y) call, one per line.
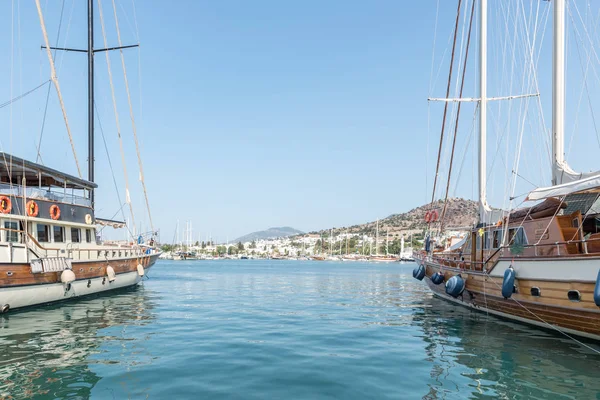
point(5, 205)
point(54, 212)
point(428, 216)
point(32, 208)
point(434, 216)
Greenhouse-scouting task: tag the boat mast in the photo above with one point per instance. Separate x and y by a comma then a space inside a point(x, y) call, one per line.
point(377, 239)
point(484, 208)
point(90, 54)
point(387, 241)
point(558, 91)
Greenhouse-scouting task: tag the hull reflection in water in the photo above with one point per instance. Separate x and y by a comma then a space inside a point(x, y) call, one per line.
point(50, 351)
point(503, 359)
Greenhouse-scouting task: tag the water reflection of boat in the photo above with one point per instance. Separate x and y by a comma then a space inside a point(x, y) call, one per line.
point(46, 351)
point(500, 354)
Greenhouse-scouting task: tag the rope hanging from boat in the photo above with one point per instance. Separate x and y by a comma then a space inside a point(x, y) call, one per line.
point(54, 80)
point(137, 146)
point(437, 168)
point(462, 85)
point(114, 101)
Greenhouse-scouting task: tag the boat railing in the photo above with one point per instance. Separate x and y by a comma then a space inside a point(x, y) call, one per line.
point(44, 194)
point(461, 262)
point(74, 251)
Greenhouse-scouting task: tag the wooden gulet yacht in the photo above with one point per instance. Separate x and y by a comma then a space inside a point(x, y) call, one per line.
point(539, 265)
point(49, 249)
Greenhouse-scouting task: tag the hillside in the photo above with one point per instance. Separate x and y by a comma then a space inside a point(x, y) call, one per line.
point(271, 233)
point(459, 213)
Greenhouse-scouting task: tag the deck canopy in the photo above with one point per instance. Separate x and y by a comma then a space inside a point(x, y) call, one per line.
point(589, 184)
point(13, 169)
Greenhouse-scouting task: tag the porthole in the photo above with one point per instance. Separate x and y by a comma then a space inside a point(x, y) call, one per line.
point(574, 295)
point(535, 291)
point(9, 273)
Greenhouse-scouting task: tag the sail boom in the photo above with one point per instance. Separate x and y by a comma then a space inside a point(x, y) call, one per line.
point(476, 99)
point(581, 185)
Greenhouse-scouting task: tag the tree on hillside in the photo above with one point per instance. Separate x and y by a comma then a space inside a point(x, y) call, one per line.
point(197, 244)
point(167, 247)
point(253, 244)
point(240, 246)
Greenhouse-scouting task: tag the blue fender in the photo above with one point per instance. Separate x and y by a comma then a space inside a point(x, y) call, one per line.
point(597, 291)
point(455, 286)
point(437, 278)
point(419, 272)
point(508, 284)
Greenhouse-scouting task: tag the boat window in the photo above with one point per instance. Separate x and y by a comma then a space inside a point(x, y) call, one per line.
point(59, 234)
point(486, 242)
point(43, 233)
point(517, 236)
point(75, 235)
point(497, 239)
point(88, 235)
point(11, 234)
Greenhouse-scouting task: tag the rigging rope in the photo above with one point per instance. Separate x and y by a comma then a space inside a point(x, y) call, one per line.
point(39, 145)
point(19, 97)
point(437, 168)
point(462, 85)
point(137, 145)
point(56, 84)
point(109, 161)
point(114, 101)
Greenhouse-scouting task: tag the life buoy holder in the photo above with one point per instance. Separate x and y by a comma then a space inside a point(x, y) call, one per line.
point(88, 219)
point(54, 212)
point(428, 216)
point(32, 208)
point(434, 216)
point(5, 205)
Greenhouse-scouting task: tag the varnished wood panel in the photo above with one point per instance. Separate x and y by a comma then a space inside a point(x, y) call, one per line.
point(20, 274)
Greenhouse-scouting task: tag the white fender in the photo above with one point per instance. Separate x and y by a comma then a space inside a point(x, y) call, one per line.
point(67, 276)
point(140, 269)
point(110, 273)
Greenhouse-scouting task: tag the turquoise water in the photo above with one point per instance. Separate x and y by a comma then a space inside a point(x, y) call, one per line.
point(283, 330)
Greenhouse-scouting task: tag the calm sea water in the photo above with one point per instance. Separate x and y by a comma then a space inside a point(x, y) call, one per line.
point(283, 330)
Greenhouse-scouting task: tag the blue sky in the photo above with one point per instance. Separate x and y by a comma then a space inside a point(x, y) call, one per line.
point(251, 114)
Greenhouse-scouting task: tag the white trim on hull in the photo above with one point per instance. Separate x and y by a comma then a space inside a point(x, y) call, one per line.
point(510, 316)
point(579, 270)
point(30, 295)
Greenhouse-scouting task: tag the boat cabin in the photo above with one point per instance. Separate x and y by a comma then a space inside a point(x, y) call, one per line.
point(566, 226)
point(46, 212)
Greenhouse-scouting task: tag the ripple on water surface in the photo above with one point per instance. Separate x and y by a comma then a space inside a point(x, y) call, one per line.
point(259, 329)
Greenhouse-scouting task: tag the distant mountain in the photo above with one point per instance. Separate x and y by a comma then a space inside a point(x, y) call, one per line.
point(271, 233)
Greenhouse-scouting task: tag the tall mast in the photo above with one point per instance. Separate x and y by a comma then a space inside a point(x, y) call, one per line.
point(387, 241)
point(558, 91)
point(483, 205)
point(90, 54)
point(377, 239)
